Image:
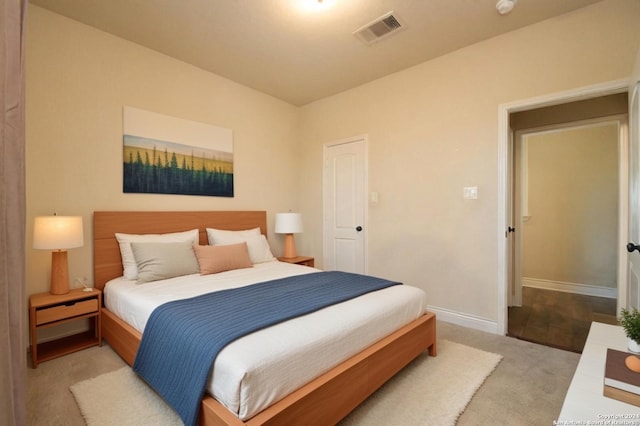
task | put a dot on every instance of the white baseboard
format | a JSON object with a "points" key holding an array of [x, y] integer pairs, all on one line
{"points": [[586, 289], [464, 320]]}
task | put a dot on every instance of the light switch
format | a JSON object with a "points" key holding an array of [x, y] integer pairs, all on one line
{"points": [[470, 192], [374, 198]]}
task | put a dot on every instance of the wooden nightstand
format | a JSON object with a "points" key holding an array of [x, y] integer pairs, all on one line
{"points": [[48, 310], [299, 260]]}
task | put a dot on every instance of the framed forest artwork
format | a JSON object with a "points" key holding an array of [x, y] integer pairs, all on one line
{"points": [[169, 155]]}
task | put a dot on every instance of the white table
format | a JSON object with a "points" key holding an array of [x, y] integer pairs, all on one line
{"points": [[584, 402]]}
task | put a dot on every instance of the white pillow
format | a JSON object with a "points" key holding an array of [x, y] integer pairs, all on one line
{"points": [[257, 244], [129, 262], [218, 237], [259, 250]]}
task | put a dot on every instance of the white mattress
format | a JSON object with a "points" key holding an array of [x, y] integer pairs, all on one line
{"points": [[259, 369]]}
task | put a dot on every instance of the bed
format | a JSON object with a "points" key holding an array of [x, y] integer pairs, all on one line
{"points": [[324, 399]]}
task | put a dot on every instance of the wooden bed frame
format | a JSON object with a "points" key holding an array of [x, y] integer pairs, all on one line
{"points": [[325, 400]]}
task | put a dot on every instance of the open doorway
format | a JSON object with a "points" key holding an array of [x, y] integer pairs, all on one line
{"points": [[552, 110], [566, 214]]}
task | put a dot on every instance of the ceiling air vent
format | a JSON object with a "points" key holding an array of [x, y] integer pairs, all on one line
{"points": [[379, 28]]}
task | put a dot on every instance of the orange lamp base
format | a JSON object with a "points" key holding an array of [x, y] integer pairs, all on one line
{"points": [[289, 246], [59, 272]]}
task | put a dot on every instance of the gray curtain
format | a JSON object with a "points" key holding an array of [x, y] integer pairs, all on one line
{"points": [[13, 341]]}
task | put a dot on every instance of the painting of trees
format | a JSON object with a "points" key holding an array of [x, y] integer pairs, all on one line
{"points": [[171, 155], [154, 166]]}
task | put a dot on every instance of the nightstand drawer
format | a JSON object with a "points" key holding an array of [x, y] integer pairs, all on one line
{"points": [[69, 310]]}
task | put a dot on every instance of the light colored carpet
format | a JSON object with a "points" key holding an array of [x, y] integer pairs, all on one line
{"points": [[527, 388], [430, 391]]}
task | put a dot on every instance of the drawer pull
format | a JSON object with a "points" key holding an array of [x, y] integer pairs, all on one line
{"points": [[66, 310]]}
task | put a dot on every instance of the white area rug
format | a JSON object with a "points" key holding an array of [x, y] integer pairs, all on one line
{"points": [[430, 391], [121, 398]]}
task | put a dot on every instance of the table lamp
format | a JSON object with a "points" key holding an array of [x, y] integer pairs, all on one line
{"points": [[58, 233], [289, 224]]}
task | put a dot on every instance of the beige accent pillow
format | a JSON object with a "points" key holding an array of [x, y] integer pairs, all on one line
{"points": [[159, 261], [130, 269], [214, 259]]}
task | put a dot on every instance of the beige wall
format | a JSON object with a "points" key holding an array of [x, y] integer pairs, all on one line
{"points": [[572, 232], [433, 129], [635, 75], [78, 80]]}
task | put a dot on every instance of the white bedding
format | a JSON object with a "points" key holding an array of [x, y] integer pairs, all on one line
{"points": [[259, 369]]}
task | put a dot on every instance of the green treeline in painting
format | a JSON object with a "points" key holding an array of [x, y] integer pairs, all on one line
{"points": [[167, 168]]}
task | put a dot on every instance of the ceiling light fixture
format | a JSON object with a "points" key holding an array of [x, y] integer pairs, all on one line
{"points": [[505, 6], [312, 5]]}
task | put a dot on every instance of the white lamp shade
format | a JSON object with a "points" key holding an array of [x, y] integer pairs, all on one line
{"points": [[57, 232], [288, 223]]}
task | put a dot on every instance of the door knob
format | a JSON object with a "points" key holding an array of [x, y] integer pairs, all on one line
{"points": [[358, 228], [631, 247], [511, 229]]}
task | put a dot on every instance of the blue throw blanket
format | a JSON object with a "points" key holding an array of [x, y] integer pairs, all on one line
{"points": [[182, 338]]}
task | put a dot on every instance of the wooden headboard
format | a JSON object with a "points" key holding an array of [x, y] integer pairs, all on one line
{"points": [[107, 263]]}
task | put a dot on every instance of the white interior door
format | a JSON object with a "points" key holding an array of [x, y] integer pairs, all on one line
{"points": [[518, 156], [633, 294], [344, 205]]}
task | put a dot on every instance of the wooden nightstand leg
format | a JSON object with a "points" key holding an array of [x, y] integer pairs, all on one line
{"points": [[96, 330], [98, 322], [34, 338]]}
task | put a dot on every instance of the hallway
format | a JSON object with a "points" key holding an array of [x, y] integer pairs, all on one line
{"points": [[558, 319]]}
